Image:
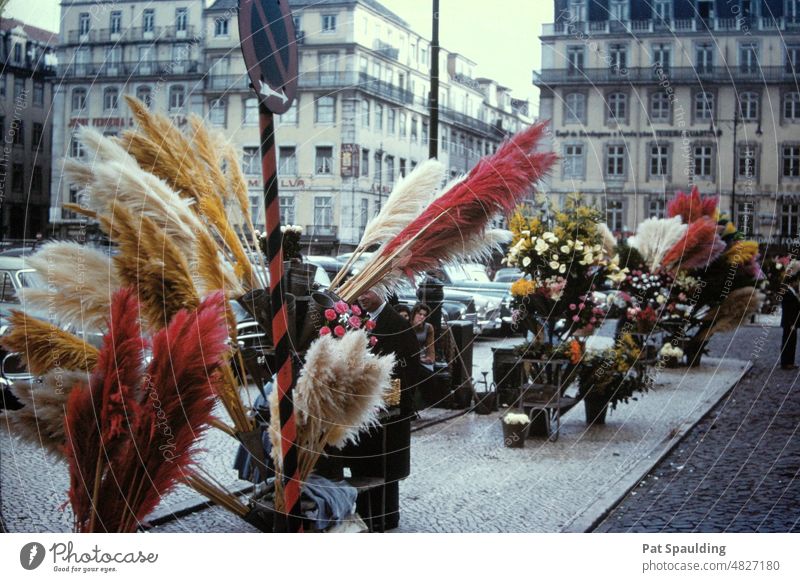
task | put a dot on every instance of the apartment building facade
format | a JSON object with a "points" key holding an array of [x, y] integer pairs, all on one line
{"points": [[650, 97], [25, 107]]}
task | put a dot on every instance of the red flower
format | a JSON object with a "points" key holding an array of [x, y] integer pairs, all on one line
{"points": [[373, 340], [325, 331], [338, 330], [354, 321], [330, 314], [370, 325], [355, 309], [340, 307]]}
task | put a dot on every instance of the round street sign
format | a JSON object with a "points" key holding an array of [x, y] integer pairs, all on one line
{"points": [[269, 46]]}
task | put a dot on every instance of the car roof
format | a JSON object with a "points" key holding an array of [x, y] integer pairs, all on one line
{"points": [[12, 263]]}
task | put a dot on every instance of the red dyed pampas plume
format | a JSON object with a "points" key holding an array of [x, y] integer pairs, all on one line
{"points": [[692, 207], [699, 246], [132, 432]]}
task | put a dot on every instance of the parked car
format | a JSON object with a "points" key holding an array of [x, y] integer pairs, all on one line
{"points": [[507, 275], [331, 265]]}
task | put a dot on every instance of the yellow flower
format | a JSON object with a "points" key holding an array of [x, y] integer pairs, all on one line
{"points": [[741, 252], [729, 229], [522, 287]]}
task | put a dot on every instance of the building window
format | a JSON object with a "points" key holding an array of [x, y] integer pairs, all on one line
{"points": [[181, 19], [289, 117], [38, 93], [287, 160], [617, 108], [662, 56], [84, 22], [37, 136], [704, 57], [403, 124], [657, 208], [790, 161], [618, 59], [618, 10], [659, 107], [443, 139], [250, 111], [324, 160], [217, 110], [378, 117], [704, 106], [793, 59], [748, 105], [325, 110], [110, 98], [615, 215], [323, 212], [287, 209], [575, 108], [414, 129], [704, 161], [744, 218], [365, 112], [659, 161], [748, 57], [19, 87], [573, 161], [425, 131], [790, 219], [19, 133], [379, 166], [391, 120], [251, 164], [177, 97], [18, 53], [78, 98], [221, 27], [148, 20], [390, 169], [402, 167], [575, 56], [328, 23], [615, 161], [145, 95], [115, 22], [747, 163], [37, 180], [364, 162], [576, 11], [791, 10], [17, 177], [662, 10], [791, 106], [76, 149], [364, 214]]}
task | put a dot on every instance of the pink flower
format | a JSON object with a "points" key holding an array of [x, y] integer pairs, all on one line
{"points": [[330, 314], [338, 330], [370, 325], [581, 306], [354, 321], [355, 309], [340, 307], [572, 306], [373, 340], [575, 318], [593, 320], [325, 331]]}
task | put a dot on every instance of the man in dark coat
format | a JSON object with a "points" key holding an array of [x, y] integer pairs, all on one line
{"points": [[385, 451], [790, 312]]}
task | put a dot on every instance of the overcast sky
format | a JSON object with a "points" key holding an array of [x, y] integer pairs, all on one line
{"points": [[501, 36]]}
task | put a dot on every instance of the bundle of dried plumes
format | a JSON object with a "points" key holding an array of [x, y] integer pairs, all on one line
{"points": [[131, 436], [40, 421], [691, 207], [655, 236], [339, 392], [699, 247], [159, 147], [149, 262], [495, 185], [735, 310], [80, 283], [407, 200], [609, 241], [741, 252], [45, 347]]}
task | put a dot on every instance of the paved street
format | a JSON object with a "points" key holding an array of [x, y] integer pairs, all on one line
{"points": [[737, 470]]}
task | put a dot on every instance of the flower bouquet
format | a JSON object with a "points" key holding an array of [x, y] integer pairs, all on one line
{"points": [[670, 355], [515, 429]]}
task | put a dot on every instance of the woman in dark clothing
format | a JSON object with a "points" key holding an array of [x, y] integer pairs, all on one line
{"points": [[790, 312], [403, 311], [424, 333]]}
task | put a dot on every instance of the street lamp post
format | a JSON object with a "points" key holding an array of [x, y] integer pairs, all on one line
{"points": [[379, 154], [433, 137]]}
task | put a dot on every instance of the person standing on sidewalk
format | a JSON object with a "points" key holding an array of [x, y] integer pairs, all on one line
{"points": [[790, 312]]}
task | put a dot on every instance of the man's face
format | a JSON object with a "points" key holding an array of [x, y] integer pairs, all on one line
{"points": [[369, 300]]}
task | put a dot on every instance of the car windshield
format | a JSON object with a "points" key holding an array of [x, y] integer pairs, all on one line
{"points": [[30, 279], [468, 272]]}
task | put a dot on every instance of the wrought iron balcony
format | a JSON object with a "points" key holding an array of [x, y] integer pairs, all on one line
{"points": [[133, 34], [127, 68], [655, 74], [670, 26], [320, 231]]}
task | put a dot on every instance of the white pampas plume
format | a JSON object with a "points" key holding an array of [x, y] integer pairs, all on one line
{"points": [[40, 421], [408, 198], [609, 241], [80, 282], [655, 236]]}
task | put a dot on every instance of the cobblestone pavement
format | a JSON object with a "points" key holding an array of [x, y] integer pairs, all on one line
{"points": [[737, 470]]}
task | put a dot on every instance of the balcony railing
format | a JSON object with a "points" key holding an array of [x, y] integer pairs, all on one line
{"points": [[318, 231], [126, 68], [386, 49], [226, 83], [649, 75], [134, 34], [353, 80], [657, 25]]}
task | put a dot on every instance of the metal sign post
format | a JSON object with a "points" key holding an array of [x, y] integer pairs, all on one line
{"points": [[267, 35]]}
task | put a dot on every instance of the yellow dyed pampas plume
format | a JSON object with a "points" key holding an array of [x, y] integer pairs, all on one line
{"points": [[741, 252], [80, 282], [45, 347], [735, 310], [339, 392]]}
